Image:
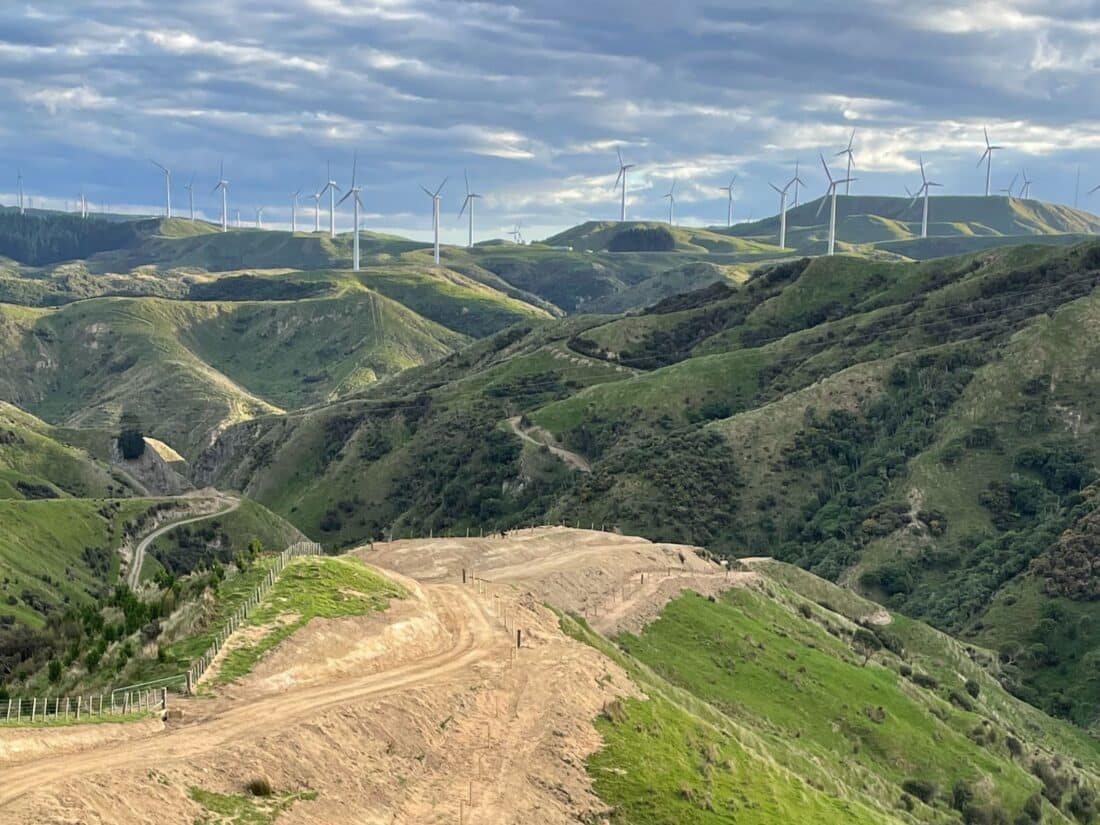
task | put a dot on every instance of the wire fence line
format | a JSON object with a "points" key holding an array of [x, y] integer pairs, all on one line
{"points": [[84, 708], [241, 614]]}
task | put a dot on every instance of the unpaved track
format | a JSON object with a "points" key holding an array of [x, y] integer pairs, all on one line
{"points": [[223, 724], [546, 440], [133, 574]]}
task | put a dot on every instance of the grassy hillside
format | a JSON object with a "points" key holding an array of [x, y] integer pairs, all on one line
{"points": [[38, 462], [792, 701], [918, 431]]}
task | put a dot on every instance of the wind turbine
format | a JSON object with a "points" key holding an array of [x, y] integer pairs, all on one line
{"points": [[797, 182], [623, 169], [987, 156], [1025, 190], [19, 186], [469, 202], [517, 236], [223, 185], [782, 212], [316, 211], [848, 152], [1094, 190], [238, 214], [190, 187], [294, 210], [167, 188], [729, 201], [830, 193], [332, 189], [435, 214], [925, 185], [353, 192], [260, 217], [1011, 186], [671, 196]]}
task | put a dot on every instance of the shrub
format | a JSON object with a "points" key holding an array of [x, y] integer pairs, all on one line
{"points": [[131, 440], [973, 688], [259, 786], [55, 670], [925, 681], [961, 700], [922, 789]]}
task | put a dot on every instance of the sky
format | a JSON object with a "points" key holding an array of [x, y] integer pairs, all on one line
{"points": [[533, 99]]}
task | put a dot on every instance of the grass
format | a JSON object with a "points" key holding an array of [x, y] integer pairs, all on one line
{"points": [[244, 809], [309, 588], [71, 720]]}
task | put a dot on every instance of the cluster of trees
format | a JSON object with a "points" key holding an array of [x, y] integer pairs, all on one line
{"points": [[642, 239], [39, 240]]}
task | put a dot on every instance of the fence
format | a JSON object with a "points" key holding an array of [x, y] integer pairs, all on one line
{"points": [[305, 548], [83, 707]]}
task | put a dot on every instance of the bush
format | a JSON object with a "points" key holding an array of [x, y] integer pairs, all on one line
{"points": [[922, 789], [925, 681], [259, 786], [961, 700], [55, 671], [131, 439], [973, 688], [643, 239]]}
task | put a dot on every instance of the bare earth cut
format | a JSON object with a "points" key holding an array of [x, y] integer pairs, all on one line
{"points": [[423, 713]]}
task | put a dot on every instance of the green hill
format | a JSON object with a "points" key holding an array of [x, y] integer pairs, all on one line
{"points": [[918, 431]]}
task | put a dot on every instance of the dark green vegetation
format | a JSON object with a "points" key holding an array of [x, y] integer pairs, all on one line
{"points": [[248, 808], [784, 702]]}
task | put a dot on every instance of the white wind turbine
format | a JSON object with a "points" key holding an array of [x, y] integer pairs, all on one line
{"points": [[316, 211], [830, 193], [729, 201], [925, 186], [190, 187], [237, 212], [223, 185], [671, 197], [332, 189], [1011, 186], [847, 151], [1025, 189], [797, 181], [623, 169], [469, 203], [260, 217], [987, 156], [517, 236], [435, 214], [167, 188], [782, 212], [19, 186], [294, 210], [353, 192]]}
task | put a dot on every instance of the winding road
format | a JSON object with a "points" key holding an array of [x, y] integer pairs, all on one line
{"points": [[133, 574]]}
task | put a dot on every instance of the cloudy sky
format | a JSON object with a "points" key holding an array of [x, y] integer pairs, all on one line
{"points": [[534, 98]]}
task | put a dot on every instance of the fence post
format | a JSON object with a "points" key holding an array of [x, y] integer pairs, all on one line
{"points": [[34, 708], [79, 701], [9, 709]]}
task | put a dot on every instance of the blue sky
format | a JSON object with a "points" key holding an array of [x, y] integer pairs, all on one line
{"points": [[534, 98]]}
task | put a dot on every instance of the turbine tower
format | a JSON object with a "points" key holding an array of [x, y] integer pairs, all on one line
{"points": [[797, 182], [782, 212], [353, 192], [623, 169], [1025, 190], [830, 193], [848, 152], [190, 187], [260, 217], [729, 201], [223, 185], [1011, 186], [517, 236], [925, 186], [332, 189], [19, 187], [294, 210], [671, 196], [987, 156], [238, 215], [435, 214], [167, 188], [316, 211], [469, 203]]}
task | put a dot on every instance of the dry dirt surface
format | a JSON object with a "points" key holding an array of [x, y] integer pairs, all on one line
{"points": [[619, 583], [426, 713]]}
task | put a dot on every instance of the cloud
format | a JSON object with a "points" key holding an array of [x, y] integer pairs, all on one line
{"points": [[534, 99]]}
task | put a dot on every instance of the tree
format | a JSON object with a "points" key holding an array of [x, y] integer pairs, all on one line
{"points": [[131, 439], [867, 643]]}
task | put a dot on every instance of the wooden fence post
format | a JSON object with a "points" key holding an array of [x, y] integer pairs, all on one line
{"points": [[34, 708]]}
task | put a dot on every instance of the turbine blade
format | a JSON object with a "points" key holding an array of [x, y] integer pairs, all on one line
{"points": [[440, 189], [427, 191], [466, 175], [348, 195], [825, 166], [821, 205]]}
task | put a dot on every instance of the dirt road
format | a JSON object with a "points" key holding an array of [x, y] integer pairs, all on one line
{"points": [[545, 439], [423, 714], [133, 573]]}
